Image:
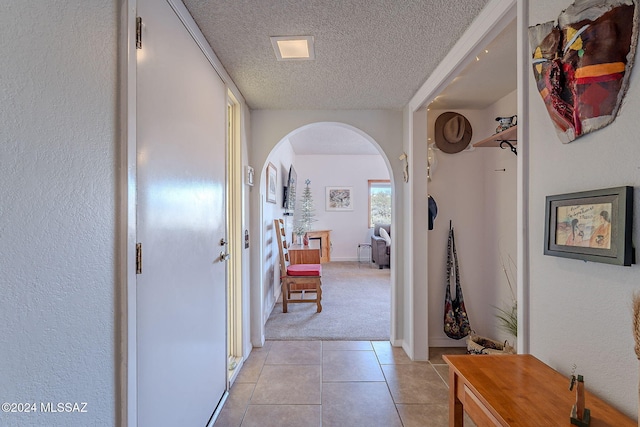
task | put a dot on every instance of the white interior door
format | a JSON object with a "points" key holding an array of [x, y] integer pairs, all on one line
{"points": [[181, 319]]}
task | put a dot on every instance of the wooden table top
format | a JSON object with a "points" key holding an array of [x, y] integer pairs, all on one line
{"points": [[520, 390], [313, 244]]}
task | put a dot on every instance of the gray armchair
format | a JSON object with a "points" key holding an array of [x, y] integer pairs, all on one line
{"points": [[380, 252]]}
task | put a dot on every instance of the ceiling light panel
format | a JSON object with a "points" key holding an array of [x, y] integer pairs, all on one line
{"points": [[293, 48]]}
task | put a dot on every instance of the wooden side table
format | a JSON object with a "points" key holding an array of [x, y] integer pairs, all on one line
{"points": [[517, 390], [304, 254], [324, 236]]}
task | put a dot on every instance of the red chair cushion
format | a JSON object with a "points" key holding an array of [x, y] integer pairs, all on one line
{"points": [[304, 270]]}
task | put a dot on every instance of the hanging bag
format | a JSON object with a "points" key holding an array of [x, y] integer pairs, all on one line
{"points": [[456, 321]]}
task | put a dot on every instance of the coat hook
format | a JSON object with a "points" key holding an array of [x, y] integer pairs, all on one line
{"points": [[513, 149]]}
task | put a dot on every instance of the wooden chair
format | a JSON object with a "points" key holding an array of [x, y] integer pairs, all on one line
{"points": [[297, 278]]}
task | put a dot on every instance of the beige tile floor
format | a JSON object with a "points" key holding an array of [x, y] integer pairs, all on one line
{"points": [[338, 383]]}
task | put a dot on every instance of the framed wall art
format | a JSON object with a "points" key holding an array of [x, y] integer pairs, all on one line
{"points": [[272, 182], [339, 199], [582, 64], [590, 225]]}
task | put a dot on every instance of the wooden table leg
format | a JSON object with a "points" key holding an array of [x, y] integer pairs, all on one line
{"points": [[456, 411]]}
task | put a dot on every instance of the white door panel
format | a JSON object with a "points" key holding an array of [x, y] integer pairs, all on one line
{"points": [[181, 101]]}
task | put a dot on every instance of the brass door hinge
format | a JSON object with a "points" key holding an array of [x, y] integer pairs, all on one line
{"points": [[138, 258]]}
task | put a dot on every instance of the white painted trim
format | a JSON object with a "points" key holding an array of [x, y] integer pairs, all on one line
{"points": [[397, 343], [406, 347], [522, 279], [393, 262], [235, 219], [247, 346], [419, 216], [257, 295], [496, 15], [409, 330], [128, 398]]}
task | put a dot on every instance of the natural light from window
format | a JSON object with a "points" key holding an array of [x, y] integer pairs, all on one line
{"points": [[379, 202]]}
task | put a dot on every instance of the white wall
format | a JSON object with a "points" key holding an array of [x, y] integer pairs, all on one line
{"points": [[282, 158], [500, 181], [348, 228], [580, 312], [500, 191], [471, 189], [58, 168]]}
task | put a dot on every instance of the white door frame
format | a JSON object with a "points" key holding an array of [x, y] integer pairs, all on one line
{"points": [[126, 318], [235, 239]]}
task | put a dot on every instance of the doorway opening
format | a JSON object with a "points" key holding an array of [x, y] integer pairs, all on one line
{"points": [[329, 157], [496, 169]]}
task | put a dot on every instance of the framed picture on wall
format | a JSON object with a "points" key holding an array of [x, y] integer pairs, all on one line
{"points": [[590, 225], [339, 199], [272, 182]]}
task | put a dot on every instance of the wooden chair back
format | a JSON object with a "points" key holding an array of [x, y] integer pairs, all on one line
{"points": [[278, 224], [295, 283]]}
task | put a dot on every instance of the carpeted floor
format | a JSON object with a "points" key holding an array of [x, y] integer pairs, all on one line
{"points": [[356, 303]]}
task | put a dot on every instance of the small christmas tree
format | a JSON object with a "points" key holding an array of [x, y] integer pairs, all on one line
{"points": [[306, 216]]}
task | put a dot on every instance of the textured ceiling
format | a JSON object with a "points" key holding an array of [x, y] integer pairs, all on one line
{"points": [[370, 54]]}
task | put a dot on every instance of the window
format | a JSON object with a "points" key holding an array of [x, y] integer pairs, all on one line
{"points": [[379, 202]]}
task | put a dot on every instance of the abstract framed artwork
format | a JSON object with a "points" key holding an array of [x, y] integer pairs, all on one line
{"points": [[272, 182], [591, 225], [339, 199], [582, 64]]}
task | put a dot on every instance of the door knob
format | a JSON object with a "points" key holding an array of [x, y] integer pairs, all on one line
{"points": [[224, 256], [223, 242]]}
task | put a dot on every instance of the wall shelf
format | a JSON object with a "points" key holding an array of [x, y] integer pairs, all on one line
{"points": [[510, 135]]}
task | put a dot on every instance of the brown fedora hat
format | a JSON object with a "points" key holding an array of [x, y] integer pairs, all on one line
{"points": [[452, 132]]}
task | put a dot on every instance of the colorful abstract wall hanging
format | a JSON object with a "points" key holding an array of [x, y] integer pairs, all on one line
{"points": [[582, 64]]}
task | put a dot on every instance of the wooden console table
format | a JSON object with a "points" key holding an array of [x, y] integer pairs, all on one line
{"points": [[517, 390], [324, 236]]}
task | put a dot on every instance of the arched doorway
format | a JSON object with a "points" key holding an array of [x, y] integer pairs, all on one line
{"points": [[329, 154]]}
